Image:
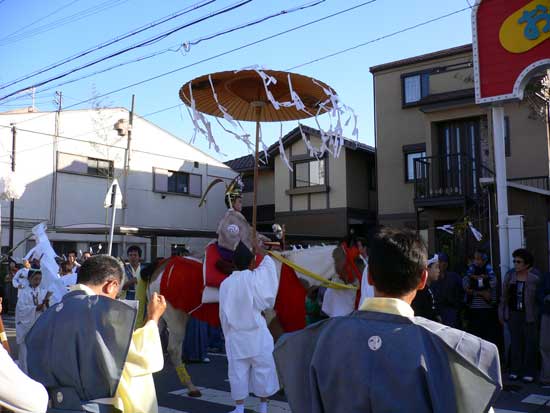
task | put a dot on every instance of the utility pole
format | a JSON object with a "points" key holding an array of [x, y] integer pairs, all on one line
{"points": [[127, 166], [53, 199], [12, 202]]}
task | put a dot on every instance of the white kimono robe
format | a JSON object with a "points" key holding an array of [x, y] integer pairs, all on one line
{"points": [[15, 388], [69, 280], [367, 290], [25, 316], [243, 297], [20, 280]]}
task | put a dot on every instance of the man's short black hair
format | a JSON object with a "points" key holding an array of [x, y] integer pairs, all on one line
{"points": [[72, 252], [397, 258], [99, 269], [134, 248], [525, 255]]}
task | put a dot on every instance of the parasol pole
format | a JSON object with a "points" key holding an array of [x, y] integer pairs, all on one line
{"points": [[258, 111]]}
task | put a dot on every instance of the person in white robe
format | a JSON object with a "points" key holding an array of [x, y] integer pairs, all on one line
{"points": [[15, 387], [68, 276], [244, 295], [20, 279], [32, 302], [367, 290], [338, 303]]}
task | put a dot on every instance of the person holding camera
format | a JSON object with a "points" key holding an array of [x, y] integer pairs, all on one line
{"points": [[480, 284]]}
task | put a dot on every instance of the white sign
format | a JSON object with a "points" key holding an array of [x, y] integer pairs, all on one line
{"points": [[109, 196]]}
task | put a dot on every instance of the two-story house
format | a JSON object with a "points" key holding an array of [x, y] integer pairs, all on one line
{"points": [[68, 161], [435, 156], [322, 197]]}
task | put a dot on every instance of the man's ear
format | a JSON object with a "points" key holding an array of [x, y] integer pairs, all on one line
{"points": [[423, 280], [110, 288]]}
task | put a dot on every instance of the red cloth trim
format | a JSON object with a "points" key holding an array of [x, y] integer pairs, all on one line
{"points": [[214, 277], [352, 271], [291, 301], [182, 283], [209, 313]]}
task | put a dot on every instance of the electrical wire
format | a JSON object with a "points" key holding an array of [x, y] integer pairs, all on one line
{"points": [[63, 21], [177, 48], [148, 42], [301, 26], [406, 29], [40, 19], [112, 41]]}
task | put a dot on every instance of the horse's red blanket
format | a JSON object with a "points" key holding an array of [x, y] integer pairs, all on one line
{"points": [[291, 301], [182, 285]]}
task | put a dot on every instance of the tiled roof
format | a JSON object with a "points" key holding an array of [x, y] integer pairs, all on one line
{"points": [[246, 163], [423, 58]]}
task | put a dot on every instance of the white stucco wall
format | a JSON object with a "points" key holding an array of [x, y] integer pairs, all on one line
{"points": [[79, 198]]}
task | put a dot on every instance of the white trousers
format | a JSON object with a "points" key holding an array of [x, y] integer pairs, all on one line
{"points": [[256, 375]]}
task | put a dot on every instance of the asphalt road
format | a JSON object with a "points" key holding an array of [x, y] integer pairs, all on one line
{"points": [[212, 379]]}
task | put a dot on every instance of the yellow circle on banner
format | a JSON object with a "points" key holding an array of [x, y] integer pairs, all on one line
{"points": [[527, 27]]}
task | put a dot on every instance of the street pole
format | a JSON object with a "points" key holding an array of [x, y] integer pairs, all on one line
{"points": [[113, 217], [12, 202], [127, 167], [501, 187]]}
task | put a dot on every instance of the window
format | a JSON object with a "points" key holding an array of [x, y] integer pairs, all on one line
{"points": [[177, 182], [413, 152], [415, 87], [84, 165], [309, 173], [63, 247], [507, 145]]}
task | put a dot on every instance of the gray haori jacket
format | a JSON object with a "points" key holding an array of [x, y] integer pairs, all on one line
{"points": [[378, 362]]}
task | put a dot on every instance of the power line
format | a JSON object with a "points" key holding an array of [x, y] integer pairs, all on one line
{"points": [[217, 55], [63, 21], [40, 19], [153, 40], [110, 42], [379, 38], [176, 48]]}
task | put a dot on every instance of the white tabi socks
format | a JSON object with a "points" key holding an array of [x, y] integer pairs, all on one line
{"points": [[239, 409], [263, 407]]}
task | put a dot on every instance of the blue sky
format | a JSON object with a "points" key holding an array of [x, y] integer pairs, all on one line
{"points": [[348, 73]]}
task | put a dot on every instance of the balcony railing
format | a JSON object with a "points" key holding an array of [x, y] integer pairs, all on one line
{"points": [[448, 179], [539, 182]]}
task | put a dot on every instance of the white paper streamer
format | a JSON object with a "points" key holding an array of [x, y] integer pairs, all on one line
{"points": [[282, 150], [477, 235], [449, 229]]}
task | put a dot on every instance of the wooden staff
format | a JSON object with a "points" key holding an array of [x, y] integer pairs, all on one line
{"points": [[3, 335]]}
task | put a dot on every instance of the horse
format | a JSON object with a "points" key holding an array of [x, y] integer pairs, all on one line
{"points": [[182, 280]]}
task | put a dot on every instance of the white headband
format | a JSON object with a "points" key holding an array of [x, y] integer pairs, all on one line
{"points": [[433, 260]]}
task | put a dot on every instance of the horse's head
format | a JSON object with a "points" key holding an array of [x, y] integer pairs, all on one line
{"points": [[326, 261]]}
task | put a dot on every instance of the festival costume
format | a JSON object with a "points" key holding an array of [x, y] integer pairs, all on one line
{"points": [[20, 279], [436, 368], [249, 344], [26, 315], [104, 367], [15, 388], [140, 292]]}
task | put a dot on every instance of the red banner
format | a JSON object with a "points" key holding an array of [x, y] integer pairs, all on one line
{"points": [[511, 40]]}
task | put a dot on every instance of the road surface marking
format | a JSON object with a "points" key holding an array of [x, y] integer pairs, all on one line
{"points": [[224, 398], [539, 399], [169, 410]]}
